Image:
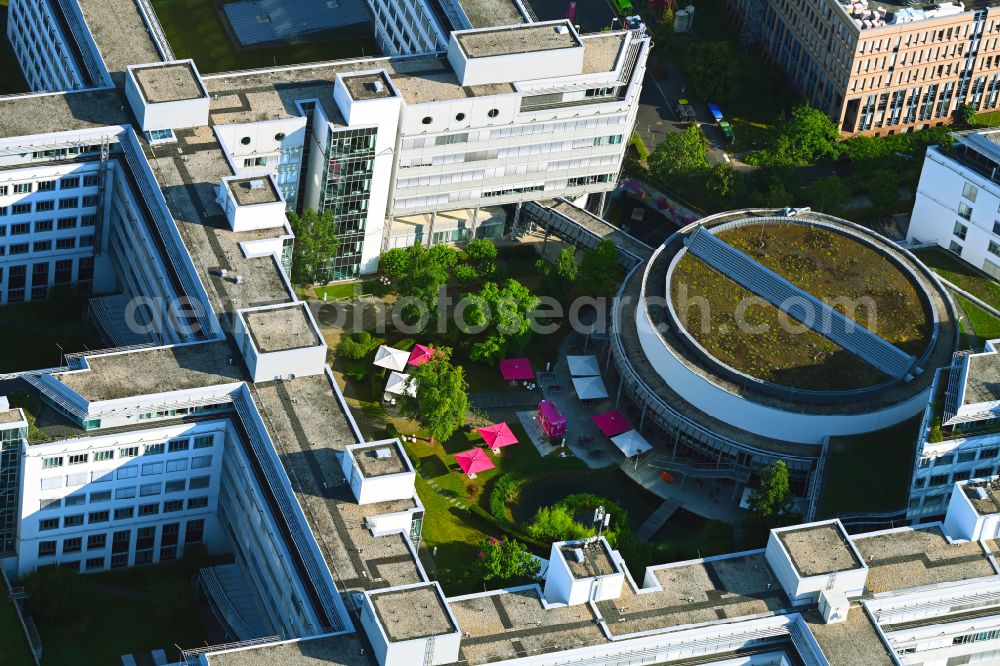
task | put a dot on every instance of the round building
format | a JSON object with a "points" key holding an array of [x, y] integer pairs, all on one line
{"points": [[752, 336]]}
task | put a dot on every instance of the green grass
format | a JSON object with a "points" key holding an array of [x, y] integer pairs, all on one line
{"points": [[978, 321], [114, 625], [196, 29], [31, 332], [14, 649], [11, 81], [869, 472], [351, 289], [991, 119], [962, 275]]}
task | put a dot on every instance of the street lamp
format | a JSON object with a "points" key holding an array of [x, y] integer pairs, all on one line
{"points": [[613, 21]]}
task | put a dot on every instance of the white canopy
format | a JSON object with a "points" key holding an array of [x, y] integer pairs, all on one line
{"points": [[631, 443], [400, 384], [589, 388], [583, 366], [391, 358]]}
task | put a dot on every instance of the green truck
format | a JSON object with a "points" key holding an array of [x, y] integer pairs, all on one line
{"points": [[727, 131]]}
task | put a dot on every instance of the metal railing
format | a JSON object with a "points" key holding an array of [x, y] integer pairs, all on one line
{"points": [[155, 29], [190, 657]]}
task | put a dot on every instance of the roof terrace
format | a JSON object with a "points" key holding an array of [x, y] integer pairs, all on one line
{"points": [[819, 550], [413, 612]]}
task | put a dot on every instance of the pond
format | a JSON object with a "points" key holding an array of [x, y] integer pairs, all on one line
{"points": [[612, 483]]}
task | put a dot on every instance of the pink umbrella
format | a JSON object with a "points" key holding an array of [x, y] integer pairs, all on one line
{"points": [[497, 435], [420, 355], [611, 423], [474, 461], [514, 369]]}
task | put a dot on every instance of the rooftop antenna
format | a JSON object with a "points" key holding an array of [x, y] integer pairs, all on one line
{"points": [[601, 520]]}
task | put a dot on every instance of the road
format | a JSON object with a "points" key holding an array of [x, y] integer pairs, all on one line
{"points": [[660, 92]]}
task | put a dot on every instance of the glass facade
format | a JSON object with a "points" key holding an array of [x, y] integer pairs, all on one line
{"points": [[10, 469], [346, 191]]}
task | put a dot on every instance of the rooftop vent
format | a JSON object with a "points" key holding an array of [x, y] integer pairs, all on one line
{"points": [[383, 454], [578, 554], [561, 29], [375, 86], [980, 493], [4, 403], [257, 184]]}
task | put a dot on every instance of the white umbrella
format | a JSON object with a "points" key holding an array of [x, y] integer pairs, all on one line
{"points": [[400, 384], [589, 388], [391, 358], [583, 366], [631, 443]]}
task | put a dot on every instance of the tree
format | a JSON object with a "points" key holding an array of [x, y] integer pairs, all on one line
{"points": [[566, 266], [423, 272], [600, 273], [465, 274], [884, 193], [679, 154], [807, 136], [713, 70], [395, 263], [483, 256], [967, 114], [720, 183], [774, 496], [509, 308], [506, 562], [556, 523], [442, 395], [828, 195], [57, 593], [316, 243]]}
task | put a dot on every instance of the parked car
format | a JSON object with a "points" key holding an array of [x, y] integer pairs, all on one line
{"points": [[715, 111], [727, 131]]}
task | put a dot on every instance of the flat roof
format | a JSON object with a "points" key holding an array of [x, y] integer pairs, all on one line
{"points": [[527, 38], [601, 51], [410, 613], [596, 560], [282, 328], [989, 502], [371, 465], [342, 650], [697, 592], [368, 86], [982, 381], [174, 82], [120, 33], [910, 558], [491, 13], [254, 190], [854, 641], [150, 371], [12, 415], [44, 113], [818, 550]]}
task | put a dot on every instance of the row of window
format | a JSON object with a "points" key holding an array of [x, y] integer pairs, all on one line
{"points": [[121, 544], [121, 513], [126, 472], [173, 446], [88, 201], [42, 226], [15, 249], [127, 492], [65, 183], [960, 457]]}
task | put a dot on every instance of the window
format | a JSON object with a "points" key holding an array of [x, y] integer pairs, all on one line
{"points": [[90, 180], [66, 223], [22, 188], [41, 246], [124, 513], [69, 183], [73, 521], [76, 500], [148, 469], [46, 185], [946, 459], [128, 452], [48, 524], [101, 456], [49, 504], [77, 479], [98, 517], [493, 113], [960, 230], [203, 441], [177, 465], [197, 503], [254, 162], [65, 243], [966, 456], [46, 548], [20, 229], [245, 141], [55, 461], [148, 489], [68, 202], [90, 200], [427, 120], [125, 493], [199, 482], [149, 509], [955, 247], [41, 226], [176, 486], [153, 449], [173, 505], [78, 459], [964, 210], [128, 472], [119, 560], [201, 461], [94, 563], [193, 531], [989, 453], [179, 445], [970, 191], [73, 545], [42, 206], [280, 136], [939, 480], [20, 209]]}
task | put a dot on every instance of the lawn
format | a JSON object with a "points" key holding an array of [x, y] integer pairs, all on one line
{"points": [[163, 616], [11, 81], [32, 333], [977, 321], [869, 472], [196, 29], [962, 275]]}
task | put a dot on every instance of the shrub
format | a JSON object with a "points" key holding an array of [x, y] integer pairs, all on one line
{"points": [[356, 345], [505, 492], [556, 523], [466, 274], [936, 435], [395, 262], [57, 593]]}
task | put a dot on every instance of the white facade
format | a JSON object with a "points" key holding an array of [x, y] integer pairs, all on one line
{"points": [[252, 217], [370, 488], [433, 650], [176, 107], [562, 586], [806, 589]]}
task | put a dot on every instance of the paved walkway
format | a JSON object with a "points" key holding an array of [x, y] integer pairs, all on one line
{"points": [[509, 400], [657, 519], [709, 499]]}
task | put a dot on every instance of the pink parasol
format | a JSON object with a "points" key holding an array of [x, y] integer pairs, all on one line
{"points": [[420, 355], [474, 461], [514, 369], [497, 435], [611, 423]]}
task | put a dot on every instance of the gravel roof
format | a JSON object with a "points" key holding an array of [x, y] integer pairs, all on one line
{"points": [[819, 550], [413, 612], [168, 83], [282, 328], [528, 38], [372, 466]]}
